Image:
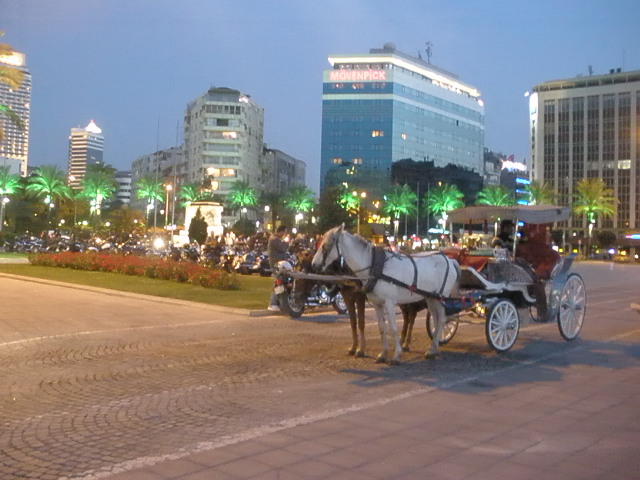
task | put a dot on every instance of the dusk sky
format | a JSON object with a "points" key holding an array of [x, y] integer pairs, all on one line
{"points": [[131, 65]]}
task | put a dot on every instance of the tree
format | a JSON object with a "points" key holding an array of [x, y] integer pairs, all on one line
{"points": [[150, 189], [125, 220], [592, 199], [401, 200], [333, 214], [442, 199], [495, 195], [9, 184], [242, 195], [13, 78], [540, 193], [48, 183], [299, 199], [189, 193], [198, 228], [98, 185]]}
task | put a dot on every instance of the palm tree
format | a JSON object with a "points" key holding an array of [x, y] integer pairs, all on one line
{"points": [[9, 183], [150, 189], [495, 195], [540, 193], [189, 193], [593, 198], [13, 78], [299, 199], [400, 200], [97, 186], [442, 199], [49, 184], [242, 195]]}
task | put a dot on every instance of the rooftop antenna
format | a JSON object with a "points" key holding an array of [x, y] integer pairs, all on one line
{"points": [[429, 51], [590, 69]]}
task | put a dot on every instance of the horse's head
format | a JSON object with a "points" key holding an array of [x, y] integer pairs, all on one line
{"points": [[329, 249]]}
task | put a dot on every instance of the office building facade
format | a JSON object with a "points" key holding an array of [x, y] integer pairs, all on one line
{"points": [[384, 106], [587, 127], [14, 147], [86, 147]]}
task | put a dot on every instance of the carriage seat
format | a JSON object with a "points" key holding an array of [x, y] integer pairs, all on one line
{"points": [[464, 259]]}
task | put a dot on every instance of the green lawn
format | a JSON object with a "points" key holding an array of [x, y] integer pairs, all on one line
{"points": [[253, 294]]}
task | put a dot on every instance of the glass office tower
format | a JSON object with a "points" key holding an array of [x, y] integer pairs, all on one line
{"points": [[385, 106]]}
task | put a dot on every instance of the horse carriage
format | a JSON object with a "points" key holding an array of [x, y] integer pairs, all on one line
{"points": [[460, 285]]}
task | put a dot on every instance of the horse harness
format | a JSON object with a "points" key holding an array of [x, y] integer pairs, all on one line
{"points": [[379, 258]]}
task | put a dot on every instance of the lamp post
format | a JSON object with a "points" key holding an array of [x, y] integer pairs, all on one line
{"points": [[360, 196], [168, 187], [3, 203]]}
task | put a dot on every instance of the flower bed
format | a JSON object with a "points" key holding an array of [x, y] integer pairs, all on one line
{"points": [[182, 272]]}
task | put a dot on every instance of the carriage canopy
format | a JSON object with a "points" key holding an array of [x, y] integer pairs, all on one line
{"points": [[526, 213]]}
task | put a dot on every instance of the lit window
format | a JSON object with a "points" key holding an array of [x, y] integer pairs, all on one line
{"points": [[404, 136], [337, 161], [229, 135], [377, 133], [357, 161]]}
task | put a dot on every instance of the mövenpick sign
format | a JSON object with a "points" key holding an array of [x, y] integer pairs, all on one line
{"points": [[357, 75]]}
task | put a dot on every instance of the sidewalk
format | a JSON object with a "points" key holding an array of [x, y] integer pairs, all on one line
{"points": [[522, 422]]}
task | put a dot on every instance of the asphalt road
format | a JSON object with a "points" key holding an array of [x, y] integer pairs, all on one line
{"points": [[95, 382]]}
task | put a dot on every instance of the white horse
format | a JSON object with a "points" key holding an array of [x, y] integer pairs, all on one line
{"points": [[392, 279]]}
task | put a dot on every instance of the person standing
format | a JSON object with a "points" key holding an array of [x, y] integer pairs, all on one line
{"points": [[278, 250]]}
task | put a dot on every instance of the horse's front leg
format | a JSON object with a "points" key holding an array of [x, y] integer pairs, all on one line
{"points": [[382, 328], [408, 319], [353, 319], [390, 309], [436, 309]]}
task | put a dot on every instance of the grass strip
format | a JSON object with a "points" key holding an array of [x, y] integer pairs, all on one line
{"points": [[253, 294]]}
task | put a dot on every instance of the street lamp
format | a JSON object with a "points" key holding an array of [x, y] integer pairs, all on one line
{"points": [[360, 196], [168, 187], [4, 201]]}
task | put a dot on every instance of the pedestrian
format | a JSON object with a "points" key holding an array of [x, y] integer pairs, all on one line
{"points": [[278, 250]]}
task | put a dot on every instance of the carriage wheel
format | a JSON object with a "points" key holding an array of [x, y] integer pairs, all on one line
{"points": [[291, 304], [573, 304], [502, 325], [339, 304], [449, 330]]}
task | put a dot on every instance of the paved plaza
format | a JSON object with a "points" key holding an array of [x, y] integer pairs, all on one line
{"points": [[99, 384]]}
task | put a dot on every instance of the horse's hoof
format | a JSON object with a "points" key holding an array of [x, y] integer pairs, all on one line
{"points": [[360, 354], [431, 356], [405, 348], [381, 359], [351, 351]]}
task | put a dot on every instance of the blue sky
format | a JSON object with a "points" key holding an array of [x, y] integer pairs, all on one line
{"points": [[132, 65]]}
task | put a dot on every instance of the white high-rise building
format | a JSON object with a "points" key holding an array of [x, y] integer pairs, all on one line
{"points": [[223, 138], [14, 147], [588, 127], [86, 147]]}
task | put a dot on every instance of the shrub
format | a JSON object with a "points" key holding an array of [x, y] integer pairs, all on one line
{"points": [[164, 269]]}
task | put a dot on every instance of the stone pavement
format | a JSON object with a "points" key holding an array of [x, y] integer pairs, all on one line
{"points": [[492, 426]]}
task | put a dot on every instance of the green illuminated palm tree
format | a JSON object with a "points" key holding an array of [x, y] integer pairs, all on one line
{"points": [[299, 199], [13, 78], [348, 200], [48, 183], [9, 184], [242, 195], [495, 195], [189, 193], [98, 186], [442, 199], [401, 200], [151, 190], [592, 199], [540, 193]]}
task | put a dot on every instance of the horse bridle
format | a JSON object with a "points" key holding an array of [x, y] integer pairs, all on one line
{"points": [[326, 250]]}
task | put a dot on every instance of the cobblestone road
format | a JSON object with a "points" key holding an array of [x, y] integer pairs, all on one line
{"points": [[92, 380]]}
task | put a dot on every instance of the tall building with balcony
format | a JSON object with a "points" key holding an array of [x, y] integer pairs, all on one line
{"points": [[588, 127], [86, 147], [223, 134], [14, 147], [384, 106]]}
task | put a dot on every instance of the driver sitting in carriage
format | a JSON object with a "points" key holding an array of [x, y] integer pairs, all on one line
{"points": [[534, 247]]}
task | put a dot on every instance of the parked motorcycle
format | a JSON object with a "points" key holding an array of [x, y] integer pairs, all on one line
{"points": [[295, 295], [254, 262]]}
